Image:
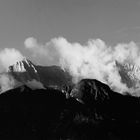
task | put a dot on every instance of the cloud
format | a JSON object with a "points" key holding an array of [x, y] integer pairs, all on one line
{"points": [[9, 56], [95, 59], [30, 43], [40, 53], [34, 84], [7, 82]]}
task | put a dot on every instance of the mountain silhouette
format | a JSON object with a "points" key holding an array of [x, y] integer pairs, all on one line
{"points": [[92, 111]]}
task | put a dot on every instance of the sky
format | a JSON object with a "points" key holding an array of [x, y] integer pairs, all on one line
{"points": [[113, 21]]}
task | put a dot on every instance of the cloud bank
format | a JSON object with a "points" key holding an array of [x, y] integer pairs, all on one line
{"points": [[8, 56], [95, 59]]}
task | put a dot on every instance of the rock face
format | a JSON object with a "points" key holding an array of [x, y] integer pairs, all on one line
{"points": [[47, 114], [99, 96], [90, 90], [130, 74], [24, 71]]}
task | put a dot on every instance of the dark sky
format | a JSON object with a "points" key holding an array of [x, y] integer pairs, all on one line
{"points": [[113, 21]]}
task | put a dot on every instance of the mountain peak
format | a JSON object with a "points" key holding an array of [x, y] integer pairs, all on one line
{"points": [[24, 71], [130, 74], [21, 66]]}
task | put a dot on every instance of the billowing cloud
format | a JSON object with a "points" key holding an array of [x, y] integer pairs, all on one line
{"points": [[7, 82], [30, 43], [40, 53], [95, 59], [9, 56]]}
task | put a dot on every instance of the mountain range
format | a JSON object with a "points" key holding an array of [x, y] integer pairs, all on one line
{"points": [[25, 72], [88, 110], [50, 76]]}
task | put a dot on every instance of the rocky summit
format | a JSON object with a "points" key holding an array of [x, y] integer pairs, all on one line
{"points": [[24, 71], [130, 74]]}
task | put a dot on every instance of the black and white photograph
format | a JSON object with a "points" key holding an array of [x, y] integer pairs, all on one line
{"points": [[69, 69]]}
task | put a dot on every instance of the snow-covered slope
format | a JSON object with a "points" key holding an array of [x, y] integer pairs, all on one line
{"points": [[24, 71], [130, 74]]}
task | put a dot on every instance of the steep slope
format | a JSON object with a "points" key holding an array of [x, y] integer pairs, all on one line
{"points": [[105, 102], [54, 76]]}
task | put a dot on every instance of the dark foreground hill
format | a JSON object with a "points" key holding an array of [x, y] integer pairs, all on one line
{"points": [[93, 112]]}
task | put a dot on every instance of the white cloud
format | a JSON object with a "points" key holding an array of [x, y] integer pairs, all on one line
{"points": [[30, 43], [9, 56], [7, 82], [43, 54], [94, 60]]}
